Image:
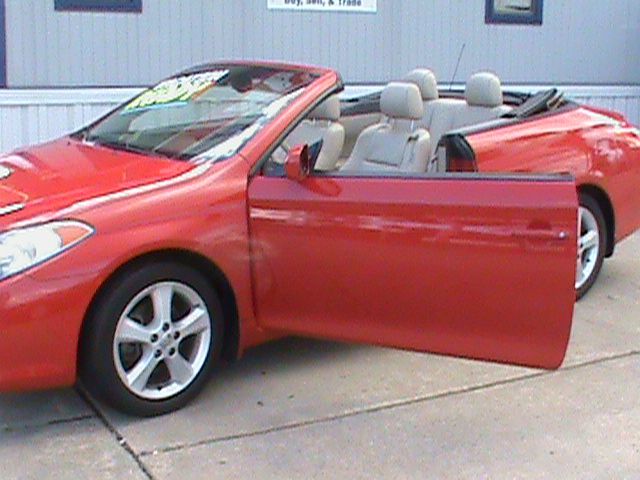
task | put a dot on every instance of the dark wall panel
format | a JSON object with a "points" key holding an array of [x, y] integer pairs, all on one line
{"points": [[3, 47]]}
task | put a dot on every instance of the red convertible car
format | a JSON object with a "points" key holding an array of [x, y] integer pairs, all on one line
{"points": [[239, 202]]}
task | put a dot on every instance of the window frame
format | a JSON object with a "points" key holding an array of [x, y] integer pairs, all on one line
{"points": [[117, 6], [492, 17]]}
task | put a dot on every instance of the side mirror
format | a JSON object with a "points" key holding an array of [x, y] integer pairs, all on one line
{"points": [[296, 166]]}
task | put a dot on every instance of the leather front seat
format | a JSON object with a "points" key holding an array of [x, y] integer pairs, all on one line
{"points": [[390, 146], [321, 123]]}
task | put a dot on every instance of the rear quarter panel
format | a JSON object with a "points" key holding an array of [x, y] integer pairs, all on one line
{"points": [[597, 149]]}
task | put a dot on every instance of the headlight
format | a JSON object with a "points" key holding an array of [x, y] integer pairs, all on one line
{"points": [[23, 248]]}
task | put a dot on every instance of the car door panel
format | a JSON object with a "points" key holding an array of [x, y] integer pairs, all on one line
{"points": [[474, 267]]}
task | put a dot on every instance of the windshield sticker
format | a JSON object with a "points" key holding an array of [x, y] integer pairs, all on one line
{"points": [[175, 91]]}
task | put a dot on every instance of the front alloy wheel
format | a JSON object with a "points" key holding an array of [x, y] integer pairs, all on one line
{"points": [[152, 339], [591, 244], [162, 340]]}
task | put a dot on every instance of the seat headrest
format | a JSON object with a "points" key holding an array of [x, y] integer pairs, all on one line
{"points": [[401, 100], [426, 81], [327, 110], [484, 90]]}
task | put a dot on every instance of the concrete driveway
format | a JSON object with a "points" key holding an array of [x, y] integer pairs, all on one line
{"points": [[306, 409]]}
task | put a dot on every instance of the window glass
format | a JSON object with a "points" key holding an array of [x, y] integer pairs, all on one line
{"points": [[211, 112], [514, 7], [99, 5]]}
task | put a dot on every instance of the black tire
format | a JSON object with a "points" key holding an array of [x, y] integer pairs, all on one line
{"points": [[98, 371], [592, 205]]}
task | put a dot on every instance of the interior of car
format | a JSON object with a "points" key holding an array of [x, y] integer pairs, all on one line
{"points": [[404, 127]]}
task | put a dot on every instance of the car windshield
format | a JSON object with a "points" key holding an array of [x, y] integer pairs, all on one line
{"points": [[209, 114]]}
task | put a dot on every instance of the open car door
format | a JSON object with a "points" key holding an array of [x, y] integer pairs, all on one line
{"points": [[462, 264]]}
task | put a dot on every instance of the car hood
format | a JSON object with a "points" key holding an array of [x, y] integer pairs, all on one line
{"points": [[59, 174]]}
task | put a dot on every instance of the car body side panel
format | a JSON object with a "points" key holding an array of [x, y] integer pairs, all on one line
{"points": [[40, 327], [45, 307], [597, 149], [481, 268], [199, 209], [627, 183]]}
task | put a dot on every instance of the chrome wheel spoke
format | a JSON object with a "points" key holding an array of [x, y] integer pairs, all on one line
{"points": [[130, 331], [138, 376], [579, 269], [588, 241], [162, 298], [195, 322], [588, 247], [180, 369]]}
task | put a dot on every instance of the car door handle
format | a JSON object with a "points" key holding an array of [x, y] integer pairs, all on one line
{"points": [[541, 234]]}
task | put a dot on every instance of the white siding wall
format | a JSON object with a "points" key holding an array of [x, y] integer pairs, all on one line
{"points": [[31, 116], [580, 41]]}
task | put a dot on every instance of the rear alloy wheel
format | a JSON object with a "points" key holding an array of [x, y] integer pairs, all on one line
{"points": [[591, 244], [152, 339]]}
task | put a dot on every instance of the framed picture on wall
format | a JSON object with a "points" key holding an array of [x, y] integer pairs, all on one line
{"points": [[515, 12]]}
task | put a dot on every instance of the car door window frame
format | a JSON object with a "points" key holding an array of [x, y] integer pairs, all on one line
{"points": [[259, 167]]}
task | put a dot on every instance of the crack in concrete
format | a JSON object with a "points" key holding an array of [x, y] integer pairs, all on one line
{"points": [[114, 431], [387, 405], [50, 423]]}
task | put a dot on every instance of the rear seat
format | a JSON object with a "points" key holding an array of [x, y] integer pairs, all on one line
{"points": [[483, 102], [483, 94], [426, 82]]}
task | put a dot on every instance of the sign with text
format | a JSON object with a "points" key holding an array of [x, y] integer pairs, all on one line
{"points": [[358, 6]]}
